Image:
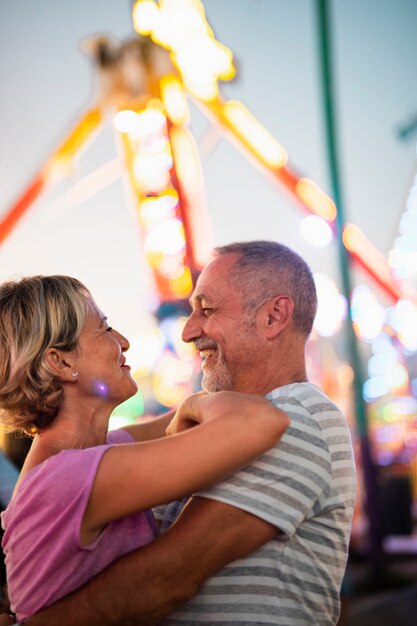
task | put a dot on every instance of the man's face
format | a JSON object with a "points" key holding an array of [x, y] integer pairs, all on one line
{"points": [[220, 330]]}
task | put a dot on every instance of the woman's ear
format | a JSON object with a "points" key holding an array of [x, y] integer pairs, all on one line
{"points": [[279, 312], [61, 365]]}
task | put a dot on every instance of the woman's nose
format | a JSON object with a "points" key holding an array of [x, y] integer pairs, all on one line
{"points": [[124, 343]]}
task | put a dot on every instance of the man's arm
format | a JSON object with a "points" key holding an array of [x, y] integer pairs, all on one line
{"points": [[141, 588]]}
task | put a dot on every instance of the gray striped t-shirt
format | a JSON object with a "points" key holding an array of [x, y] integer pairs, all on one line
{"points": [[305, 486]]}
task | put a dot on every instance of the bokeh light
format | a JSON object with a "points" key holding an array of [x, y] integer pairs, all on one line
{"points": [[316, 231], [332, 306], [403, 317], [368, 314]]}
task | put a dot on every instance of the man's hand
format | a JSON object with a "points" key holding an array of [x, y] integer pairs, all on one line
{"points": [[6, 620]]}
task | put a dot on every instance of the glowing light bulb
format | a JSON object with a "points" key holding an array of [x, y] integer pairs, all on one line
{"points": [[254, 134], [155, 209], [312, 196], [125, 121], [316, 231], [167, 238], [174, 100], [145, 15], [151, 172]]}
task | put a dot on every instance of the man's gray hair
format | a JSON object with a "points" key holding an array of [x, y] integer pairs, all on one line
{"points": [[265, 269]]}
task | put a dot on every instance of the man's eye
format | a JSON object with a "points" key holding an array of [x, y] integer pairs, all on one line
{"points": [[109, 329], [206, 311]]}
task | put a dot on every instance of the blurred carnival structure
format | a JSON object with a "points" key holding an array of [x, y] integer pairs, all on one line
{"points": [[143, 87]]}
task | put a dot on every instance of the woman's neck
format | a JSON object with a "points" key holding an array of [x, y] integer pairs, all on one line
{"points": [[69, 430]]}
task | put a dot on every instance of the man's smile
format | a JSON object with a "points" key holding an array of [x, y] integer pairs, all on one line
{"points": [[206, 353]]}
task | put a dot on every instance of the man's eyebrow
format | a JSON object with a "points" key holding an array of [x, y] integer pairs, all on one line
{"points": [[198, 298], [103, 320]]}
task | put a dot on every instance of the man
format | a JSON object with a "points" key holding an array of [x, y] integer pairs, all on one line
{"points": [[277, 532]]}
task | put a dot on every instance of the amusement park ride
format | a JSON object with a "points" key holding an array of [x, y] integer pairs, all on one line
{"points": [[143, 89]]}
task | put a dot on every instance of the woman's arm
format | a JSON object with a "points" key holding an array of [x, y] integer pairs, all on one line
{"points": [[150, 429], [134, 477]]}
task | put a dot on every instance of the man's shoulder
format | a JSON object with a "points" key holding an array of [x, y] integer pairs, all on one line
{"points": [[299, 392], [315, 421], [305, 401]]}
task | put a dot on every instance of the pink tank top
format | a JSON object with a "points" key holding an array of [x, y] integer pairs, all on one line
{"points": [[44, 558]]}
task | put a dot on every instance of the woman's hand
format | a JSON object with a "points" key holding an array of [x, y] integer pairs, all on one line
{"points": [[6, 620], [187, 415]]}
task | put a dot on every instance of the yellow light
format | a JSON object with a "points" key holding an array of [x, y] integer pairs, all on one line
{"points": [[254, 134], [222, 61], [181, 27], [172, 266], [356, 243], [154, 258], [188, 169], [182, 286], [320, 203], [399, 377], [151, 121], [151, 172], [168, 238], [155, 209], [175, 101], [72, 145], [145, 16], [205, 91], [353, 238], [141, 125], [125, 121], [171, 379], [187, 162], [167, 394], [345, 374]]}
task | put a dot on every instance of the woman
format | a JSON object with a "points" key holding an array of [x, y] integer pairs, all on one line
{"points": [[82, 501]]}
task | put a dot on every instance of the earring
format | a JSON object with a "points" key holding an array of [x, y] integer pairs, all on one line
{"points": [[75, 374]]}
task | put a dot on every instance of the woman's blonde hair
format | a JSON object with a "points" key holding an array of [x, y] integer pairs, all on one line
{"points": [[36, 313]]}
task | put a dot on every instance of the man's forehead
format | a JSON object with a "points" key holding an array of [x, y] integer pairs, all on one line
{"points": [[214, 279], [218, 267]]}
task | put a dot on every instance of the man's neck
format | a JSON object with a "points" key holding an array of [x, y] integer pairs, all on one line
{"points": [[281, 364]]}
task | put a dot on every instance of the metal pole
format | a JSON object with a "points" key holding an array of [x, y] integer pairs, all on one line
{"points": [[368, 466]]}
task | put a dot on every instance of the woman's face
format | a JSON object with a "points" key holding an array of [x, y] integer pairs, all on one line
{"points": [[100, 361]]}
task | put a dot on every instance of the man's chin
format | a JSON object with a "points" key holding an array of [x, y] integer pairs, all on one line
{"points": [[212, 384]]}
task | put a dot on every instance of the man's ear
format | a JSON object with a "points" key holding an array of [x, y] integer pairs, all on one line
{"points": [[60, 364], [279, 311]]}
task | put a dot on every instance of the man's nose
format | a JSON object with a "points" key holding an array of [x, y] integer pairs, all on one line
{"points": [[192, 329]]}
